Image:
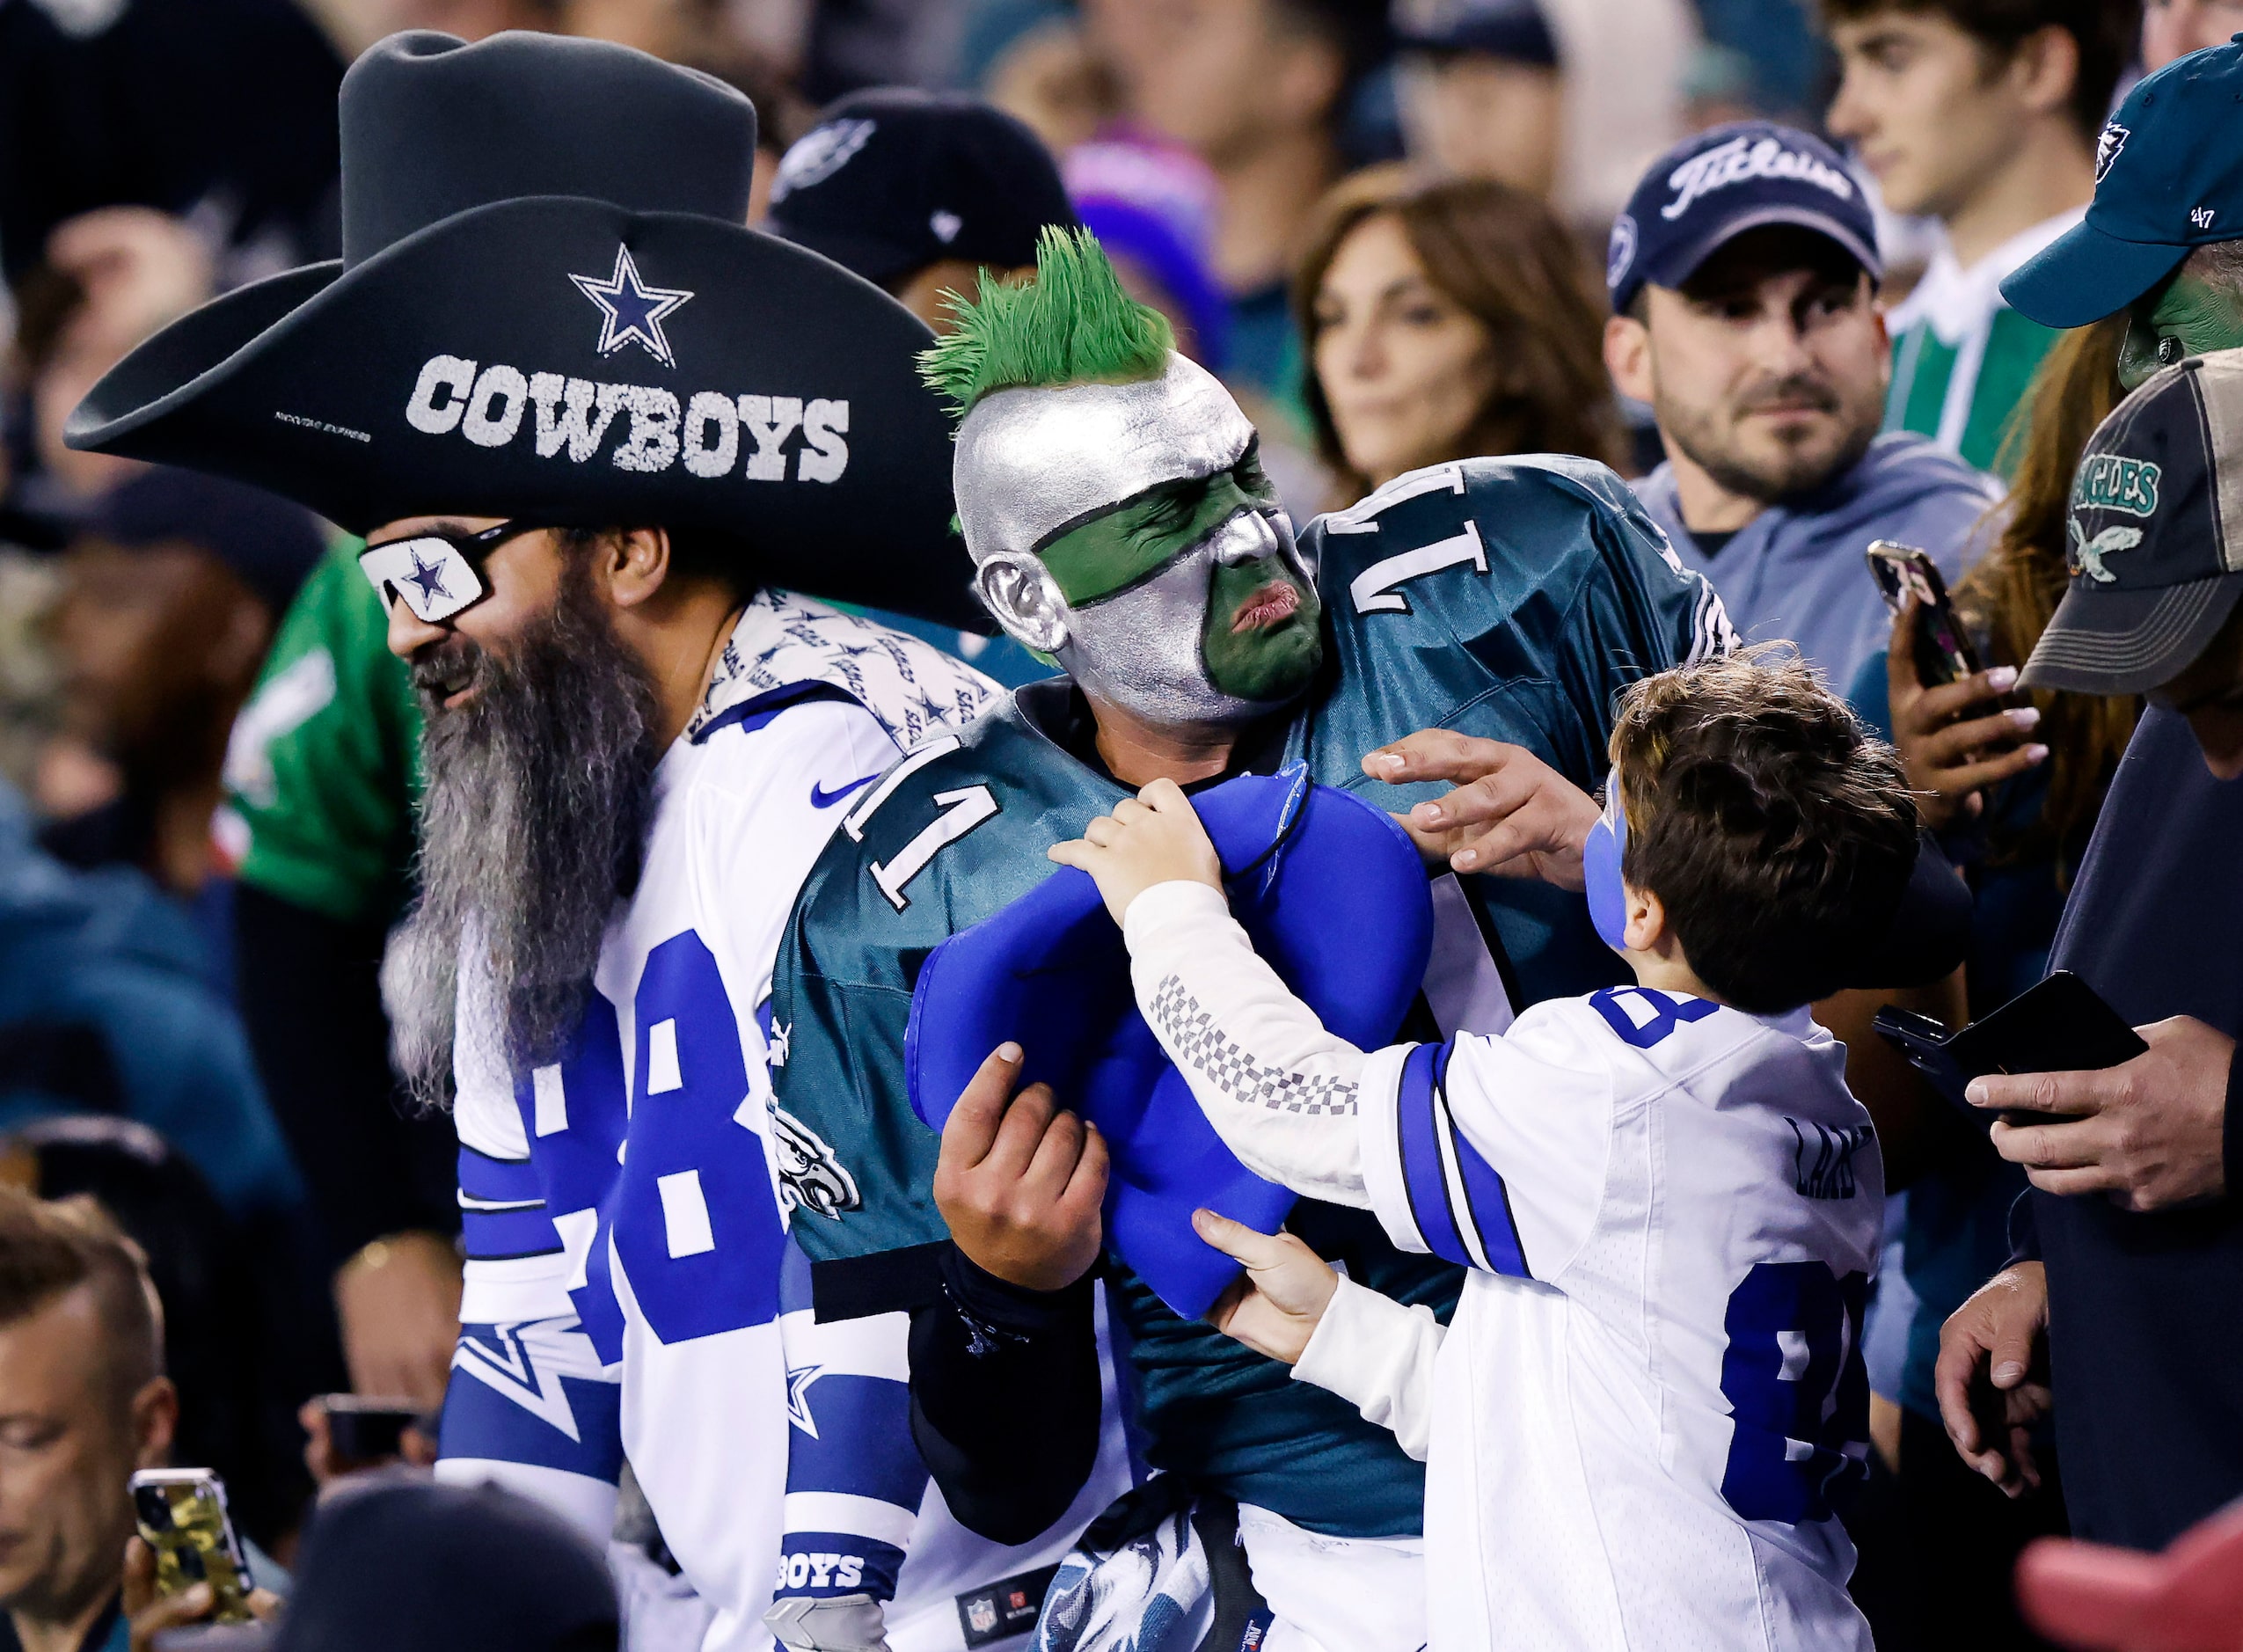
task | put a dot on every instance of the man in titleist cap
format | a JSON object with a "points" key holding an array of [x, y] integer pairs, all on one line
{"points": [[1744, 279], [2129, 1247], [590, 427]]}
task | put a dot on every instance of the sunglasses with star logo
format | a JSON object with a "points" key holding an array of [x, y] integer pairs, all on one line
{"points": [[436, 575]]}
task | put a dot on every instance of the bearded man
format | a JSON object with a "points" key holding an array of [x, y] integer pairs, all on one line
{"points": [[1744, 280], [585, 421], [1109, 493]]}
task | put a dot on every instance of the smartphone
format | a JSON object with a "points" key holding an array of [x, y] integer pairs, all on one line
{"points": [[1943, 650], [182, 1516], [2058, 1025], [363, 1430]]}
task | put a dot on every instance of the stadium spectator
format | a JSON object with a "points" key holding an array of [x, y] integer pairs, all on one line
{"points": [[1481, 90], [1983, 115], [170, 597], [83, 1402], [1447, 319], [921, 194], [1744, 280], [240, 1333], [2174, 28], [1565, 98], [2129, 1253], [2014, 788], [1257, 88]]}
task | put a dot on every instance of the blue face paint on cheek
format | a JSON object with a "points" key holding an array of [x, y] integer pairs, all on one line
{"points": [[1600, 865]]}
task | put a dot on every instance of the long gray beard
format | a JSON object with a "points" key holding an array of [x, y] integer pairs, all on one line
{"points": [[539, 794]]}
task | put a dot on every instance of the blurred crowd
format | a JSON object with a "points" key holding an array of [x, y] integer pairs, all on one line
{"points": [[1402, 237]]}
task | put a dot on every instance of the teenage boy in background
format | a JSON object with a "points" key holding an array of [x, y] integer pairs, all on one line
{"points": [[1983, 115]]}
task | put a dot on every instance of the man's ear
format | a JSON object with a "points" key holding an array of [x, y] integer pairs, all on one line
{"points": [[2045, 67], [1022, 597], [156, 1419], [1628, 356], [1645, 930], [633, 563]]}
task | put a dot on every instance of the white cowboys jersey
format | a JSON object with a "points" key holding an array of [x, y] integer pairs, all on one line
{"points": [[1652, 1390], [631, 1288]]}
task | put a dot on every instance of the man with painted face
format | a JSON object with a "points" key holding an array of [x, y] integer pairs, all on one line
{"points": [[588, 423], [1108, 491], [2160, 241]]}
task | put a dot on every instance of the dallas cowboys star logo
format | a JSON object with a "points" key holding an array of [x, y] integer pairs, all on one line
{"points": [[630, 311], [799, 1378], [429, 576]]}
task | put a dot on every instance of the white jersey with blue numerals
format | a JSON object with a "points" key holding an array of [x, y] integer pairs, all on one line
{"points": [[631, 1290], [1652, 1389]]}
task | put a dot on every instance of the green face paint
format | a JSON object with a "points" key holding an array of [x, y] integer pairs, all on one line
{"points": [[1274, 653], [2183, 316], [1140, 536]]}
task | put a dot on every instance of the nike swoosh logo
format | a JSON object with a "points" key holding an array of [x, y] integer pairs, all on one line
{"points": [[820, 798]]}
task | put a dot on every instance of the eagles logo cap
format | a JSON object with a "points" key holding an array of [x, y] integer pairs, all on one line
{"points": [[892, 180], [2154, 535], [1712, 188], [2168, 179]]}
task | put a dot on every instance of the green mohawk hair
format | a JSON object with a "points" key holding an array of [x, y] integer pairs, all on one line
{"points": [[1074, 324]]}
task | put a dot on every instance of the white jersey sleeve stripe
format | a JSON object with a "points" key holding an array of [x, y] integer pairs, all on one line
{"points": [[872, 1517]]}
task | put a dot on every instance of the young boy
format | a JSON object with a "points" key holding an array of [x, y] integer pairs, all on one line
{"points": [[1669, 1199]]}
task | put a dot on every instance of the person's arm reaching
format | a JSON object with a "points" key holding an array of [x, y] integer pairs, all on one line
{"points": [[1277, 1086], [1292, 1306]]}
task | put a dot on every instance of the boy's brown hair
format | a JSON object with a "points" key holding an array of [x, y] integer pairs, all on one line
{"points": [[1778, 832], [2105, 30]]}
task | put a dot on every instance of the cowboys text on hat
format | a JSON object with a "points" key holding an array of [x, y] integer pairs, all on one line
{"points": [[574, 416]]}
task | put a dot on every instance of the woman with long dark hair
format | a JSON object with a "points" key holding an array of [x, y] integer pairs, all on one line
{"points": [[1445, 319]]}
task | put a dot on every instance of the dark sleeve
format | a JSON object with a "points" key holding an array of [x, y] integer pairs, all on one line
{"points": [[312, 1002], [2024, 1233], [1004, 1398]]}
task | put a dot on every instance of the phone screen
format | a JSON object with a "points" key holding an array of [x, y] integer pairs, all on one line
{"points": [[1943, 650]]}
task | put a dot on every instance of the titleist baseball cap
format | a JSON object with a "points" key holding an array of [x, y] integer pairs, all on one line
{"points": [[1715, 185], [2155, 535]]}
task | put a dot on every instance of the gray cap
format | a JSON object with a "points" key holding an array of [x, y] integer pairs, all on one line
{"points": [[2155, 535]]}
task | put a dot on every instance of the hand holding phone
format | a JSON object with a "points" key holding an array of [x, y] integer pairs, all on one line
{"points": [[1955, 736], [2058, 1025], [182, 1516]]}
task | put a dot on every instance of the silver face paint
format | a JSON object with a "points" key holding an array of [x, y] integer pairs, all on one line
{"points": [[1140, 648], [1029, 462]]}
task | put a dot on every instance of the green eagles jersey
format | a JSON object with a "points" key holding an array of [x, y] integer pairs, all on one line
{"points": [[1924, 386], [322, 764], [1511, 599]]}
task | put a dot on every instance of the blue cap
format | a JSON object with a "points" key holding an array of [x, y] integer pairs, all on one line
{"points": [[2169, 179], [1512, 29], [1715, 185]]}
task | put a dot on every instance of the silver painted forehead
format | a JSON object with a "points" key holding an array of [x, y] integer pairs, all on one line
{"points": [[1029, 461]]}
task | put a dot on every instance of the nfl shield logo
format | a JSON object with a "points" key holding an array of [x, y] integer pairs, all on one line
{"points": [[981, 1614]]}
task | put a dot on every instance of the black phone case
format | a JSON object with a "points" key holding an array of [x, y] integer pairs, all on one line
{"points": [[2058, 1025]]}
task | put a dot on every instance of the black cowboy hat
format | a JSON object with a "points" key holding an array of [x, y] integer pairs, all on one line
{"points": [[548, 307]]}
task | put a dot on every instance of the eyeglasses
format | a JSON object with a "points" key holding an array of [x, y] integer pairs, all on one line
{"points": [[437, 575]]}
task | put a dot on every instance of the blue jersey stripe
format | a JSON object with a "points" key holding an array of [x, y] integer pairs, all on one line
{"points": [[818, 1563], [1416, 1119], [1487, 1200], [862, 1445], [491, 1235], [499, 1181]]}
